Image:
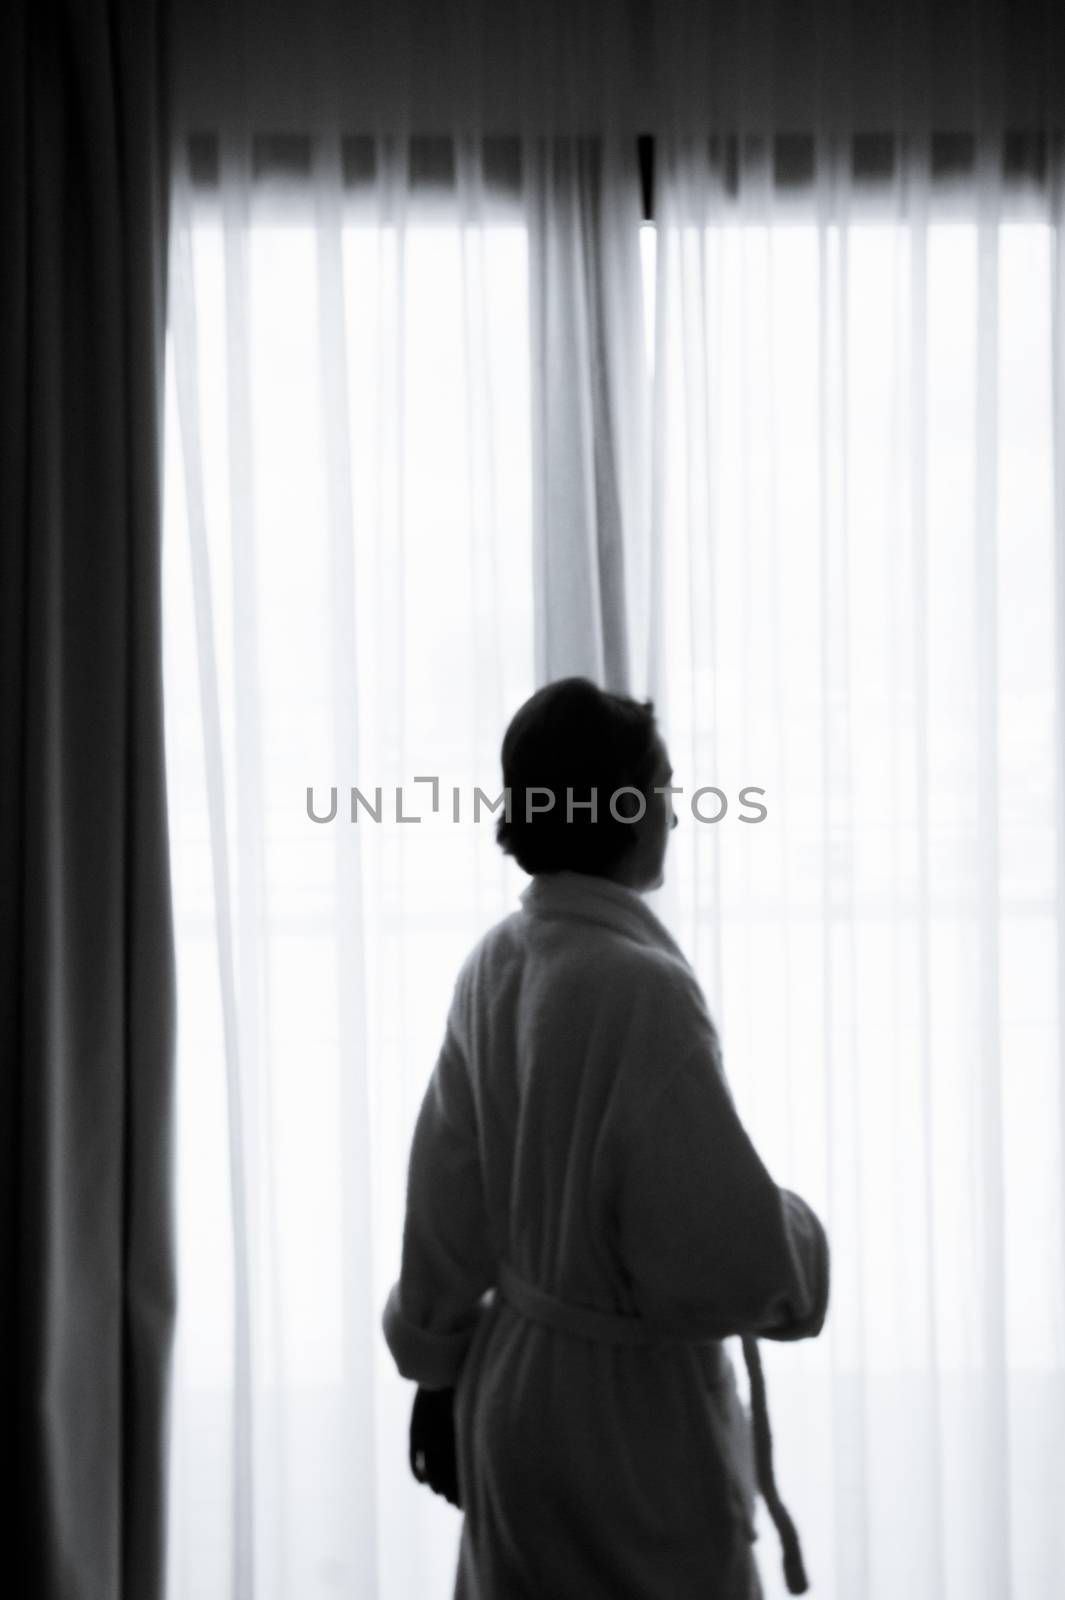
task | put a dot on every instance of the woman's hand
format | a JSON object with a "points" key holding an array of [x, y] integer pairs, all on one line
{"points": [[433, 1455]]}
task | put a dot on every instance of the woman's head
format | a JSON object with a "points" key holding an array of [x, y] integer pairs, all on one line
{"points": [[571, 740]]}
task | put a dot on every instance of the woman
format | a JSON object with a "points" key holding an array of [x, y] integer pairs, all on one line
{"points": [[586, 1217]]}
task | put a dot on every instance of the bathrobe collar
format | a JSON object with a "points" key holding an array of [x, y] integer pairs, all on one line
{"points": [[584, 898]]}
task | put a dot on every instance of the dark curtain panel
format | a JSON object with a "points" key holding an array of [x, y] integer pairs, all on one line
{"points": [[86, 999]]}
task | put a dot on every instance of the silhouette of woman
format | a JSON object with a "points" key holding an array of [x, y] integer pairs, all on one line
{"points": [[587, 1219]]}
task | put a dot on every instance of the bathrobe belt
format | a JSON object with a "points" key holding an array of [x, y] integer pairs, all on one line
{"points": [[605, 1327]]}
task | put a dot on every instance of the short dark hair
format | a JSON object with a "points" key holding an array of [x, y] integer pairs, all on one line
{"points": [[572, 735]]}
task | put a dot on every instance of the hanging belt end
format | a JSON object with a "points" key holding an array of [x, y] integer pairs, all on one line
{"points": [[794, 1570]]}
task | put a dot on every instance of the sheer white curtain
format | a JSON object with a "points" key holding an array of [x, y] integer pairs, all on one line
{"points": [[414, 466], [853, 575], [858, 442], [348, 603]]}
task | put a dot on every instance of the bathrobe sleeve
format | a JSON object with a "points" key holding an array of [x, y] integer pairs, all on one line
{"points": [[709, 1240], [448, 1261]]}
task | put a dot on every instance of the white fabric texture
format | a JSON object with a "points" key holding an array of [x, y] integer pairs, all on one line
{"points": [[857, 448], [578, 1128], [348, 604], [880, 955]]}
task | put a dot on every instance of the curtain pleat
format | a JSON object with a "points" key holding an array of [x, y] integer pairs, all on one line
{"points": [[914, 439], [85, 936], [992, 546], [586, 323], [354, 1100]]}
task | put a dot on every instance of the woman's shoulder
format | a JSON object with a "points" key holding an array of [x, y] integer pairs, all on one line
{"points": [[496, 950], [658, 970], [630, 977]]}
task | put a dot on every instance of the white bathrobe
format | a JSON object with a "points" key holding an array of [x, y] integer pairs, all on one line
{"points": [[578, 1140]]}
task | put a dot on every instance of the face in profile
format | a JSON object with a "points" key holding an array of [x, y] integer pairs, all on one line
{"points": [[644, 867]]}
